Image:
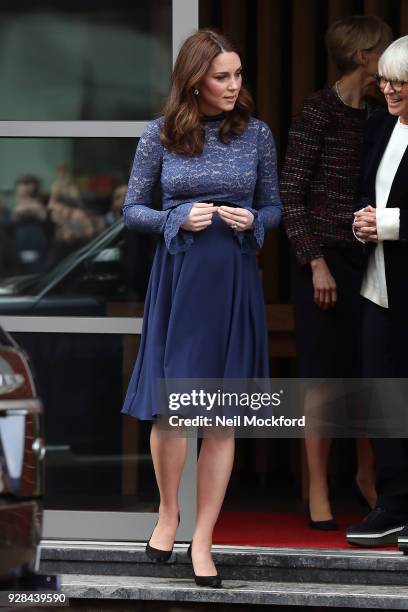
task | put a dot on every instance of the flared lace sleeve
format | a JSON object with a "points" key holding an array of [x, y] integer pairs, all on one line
{"points": [[267, 207], [178, 240], [137, 210]]}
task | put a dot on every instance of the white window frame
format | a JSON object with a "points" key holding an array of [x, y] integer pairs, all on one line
{"points": [[62, 526], [184, 22]]}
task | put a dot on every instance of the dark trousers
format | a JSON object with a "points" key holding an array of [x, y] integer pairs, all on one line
{"points": [[391, 454]]}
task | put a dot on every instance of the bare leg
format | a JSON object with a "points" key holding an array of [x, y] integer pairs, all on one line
{"points": [[365, 476], [319, 402], [169, 455], [213, 473], [317, 452]]}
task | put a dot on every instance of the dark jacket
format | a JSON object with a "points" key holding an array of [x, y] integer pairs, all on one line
{"points": [[378, 132], [320, 174]]}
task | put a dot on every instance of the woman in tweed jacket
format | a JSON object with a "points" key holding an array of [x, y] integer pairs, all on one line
{"points": [[318, 188]]}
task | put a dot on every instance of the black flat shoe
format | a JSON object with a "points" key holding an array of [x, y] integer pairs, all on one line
{"points": [[213, 582], [329, 525], [155, 554]]}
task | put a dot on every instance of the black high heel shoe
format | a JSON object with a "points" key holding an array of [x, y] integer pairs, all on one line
{"points": [[329, 525], [155, 554], [214, 582]]}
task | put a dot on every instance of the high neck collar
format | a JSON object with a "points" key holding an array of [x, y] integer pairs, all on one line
{"points": [[208, 118]]}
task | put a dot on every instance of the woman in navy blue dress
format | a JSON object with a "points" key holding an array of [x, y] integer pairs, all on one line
{"points": [[204, 313]]}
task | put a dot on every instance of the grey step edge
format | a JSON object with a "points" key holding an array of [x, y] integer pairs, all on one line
{"points": [[259, 593]]}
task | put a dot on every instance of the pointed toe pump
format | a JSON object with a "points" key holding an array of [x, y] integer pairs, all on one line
{"points": [[156, 554], [213, 582]]}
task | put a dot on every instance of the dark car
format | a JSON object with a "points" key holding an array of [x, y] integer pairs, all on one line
{"points": [[112, 268], [21, 464]]}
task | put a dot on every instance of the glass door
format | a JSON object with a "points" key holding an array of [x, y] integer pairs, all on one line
{"points": [[80, 82]]}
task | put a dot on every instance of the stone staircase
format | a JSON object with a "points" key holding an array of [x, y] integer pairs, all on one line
{"points": [[261, 576]]}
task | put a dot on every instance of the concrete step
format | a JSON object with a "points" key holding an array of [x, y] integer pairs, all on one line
{"points": [[236, 563], [236, 592]]}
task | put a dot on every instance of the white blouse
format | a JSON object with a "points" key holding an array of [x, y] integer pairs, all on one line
{"points": [[374, 285]]}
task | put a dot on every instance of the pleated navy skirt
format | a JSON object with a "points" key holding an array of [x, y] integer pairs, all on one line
{"points": [[204, 318]]}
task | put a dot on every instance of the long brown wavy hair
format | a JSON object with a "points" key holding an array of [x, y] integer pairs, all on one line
{"points": [[182, 130]]}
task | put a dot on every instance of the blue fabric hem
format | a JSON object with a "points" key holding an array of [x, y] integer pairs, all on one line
{"points": [[143, 417]]}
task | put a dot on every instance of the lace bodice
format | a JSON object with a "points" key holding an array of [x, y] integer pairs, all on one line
{"points": [[242, 172]]}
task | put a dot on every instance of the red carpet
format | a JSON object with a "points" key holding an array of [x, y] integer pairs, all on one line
{"points": [[288, 530]]}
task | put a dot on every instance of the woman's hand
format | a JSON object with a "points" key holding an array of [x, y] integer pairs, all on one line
{"points": [[324, 285], [199, 218], [239, 219], [365, 224]]}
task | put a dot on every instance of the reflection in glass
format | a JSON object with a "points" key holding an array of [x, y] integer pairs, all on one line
{"points": [[96, 458], [63, 247], [80, 60]]}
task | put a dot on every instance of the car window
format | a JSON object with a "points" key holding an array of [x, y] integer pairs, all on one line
{"points": [[115, 268]]}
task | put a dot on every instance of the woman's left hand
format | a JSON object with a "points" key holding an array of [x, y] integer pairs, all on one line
{"points": [[365, 224], [239, 219]]}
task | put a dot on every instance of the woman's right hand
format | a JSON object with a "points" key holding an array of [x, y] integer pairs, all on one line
{"points": [[324, 285], [199, 218]]}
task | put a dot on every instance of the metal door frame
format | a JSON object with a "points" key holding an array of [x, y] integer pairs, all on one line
{"points": [[70, 526]]}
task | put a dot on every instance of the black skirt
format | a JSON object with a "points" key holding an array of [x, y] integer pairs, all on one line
{"points": [[329, 341]]}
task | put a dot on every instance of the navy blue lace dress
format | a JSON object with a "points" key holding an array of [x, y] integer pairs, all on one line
{"points": [[204, 312]]}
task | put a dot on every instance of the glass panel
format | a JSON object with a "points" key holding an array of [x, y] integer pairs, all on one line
{"points": [[96, 458], [271, 476], [80, 60], [63, 247]]}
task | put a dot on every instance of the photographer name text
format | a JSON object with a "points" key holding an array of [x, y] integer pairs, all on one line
{"points": [[236, 421]]}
